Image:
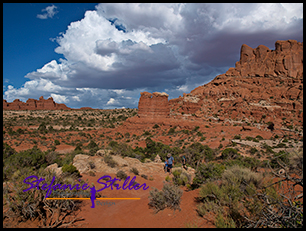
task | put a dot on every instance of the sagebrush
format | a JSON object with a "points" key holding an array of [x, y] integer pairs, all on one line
{"points": [[169, 196]]}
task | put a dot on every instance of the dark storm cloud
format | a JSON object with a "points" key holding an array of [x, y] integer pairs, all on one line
{"points": [[118, 50]]}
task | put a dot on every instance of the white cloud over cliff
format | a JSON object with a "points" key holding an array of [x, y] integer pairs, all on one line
{"points": [[118, 50]]}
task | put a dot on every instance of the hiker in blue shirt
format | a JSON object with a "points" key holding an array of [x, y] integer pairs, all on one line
{"points": [[170, 162], [183, 161], [166, 166]]}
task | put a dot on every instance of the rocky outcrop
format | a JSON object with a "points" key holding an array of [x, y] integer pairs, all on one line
{"points": [[157, 159], [188, 104], [265, 85], [54, 169], [33, 104], [286, 61], [86, 164], [153, 108], [153, 105]]}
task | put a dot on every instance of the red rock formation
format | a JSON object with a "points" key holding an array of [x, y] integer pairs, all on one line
{"points": [[33, 104], [152, 109], [265, 85], [188, 104], [153, 105], [286, 60]]}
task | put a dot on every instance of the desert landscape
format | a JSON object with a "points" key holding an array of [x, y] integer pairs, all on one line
{"points": [[240, 133]]}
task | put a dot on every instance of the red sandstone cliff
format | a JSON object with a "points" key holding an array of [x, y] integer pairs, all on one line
{"points": [[153, 108], [265, 85], [286, 61], [153, 105], [33, 104]]}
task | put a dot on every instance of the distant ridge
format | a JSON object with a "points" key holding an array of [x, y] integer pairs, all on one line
{"points": [[33, 104]]}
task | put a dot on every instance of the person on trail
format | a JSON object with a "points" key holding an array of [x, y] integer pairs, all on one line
{"points": [[184, 162], [166, 166], [170, 162]]}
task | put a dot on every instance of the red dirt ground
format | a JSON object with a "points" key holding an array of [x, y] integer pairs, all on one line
{"points": [[134, 213]]}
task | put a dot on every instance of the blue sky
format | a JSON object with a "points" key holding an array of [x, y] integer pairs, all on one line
{"points": [[26, 38], [104, 55]]}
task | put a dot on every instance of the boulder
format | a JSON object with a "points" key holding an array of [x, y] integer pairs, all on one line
{"points": [[81, 162], [103, 152], [157, 159], [53, 168]]}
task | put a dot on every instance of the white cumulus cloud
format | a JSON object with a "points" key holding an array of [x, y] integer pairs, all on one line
{"points": [[120, 49], [112, 101], [50, 12], [59, 98]]}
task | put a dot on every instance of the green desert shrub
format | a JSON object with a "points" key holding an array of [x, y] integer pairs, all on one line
{"points": [[156, 126], [196, 152], [224, 221], [92, 144], [281, 157], [42, 127], [108, 159], [121, 175], [216, 197], [78, 149], [172, 195], [180, 177], [169, 196], [208, 171], [229, 153], [144, 176], [8, 151], [253, 150], [157, 200], [121, 149], [243, 198], [244, 176], [71, 169], [135, 171], [31, 158], [171, 131]]}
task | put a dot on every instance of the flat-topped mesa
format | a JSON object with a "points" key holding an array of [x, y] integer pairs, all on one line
{"points": [[285, 61], [153, 105]]}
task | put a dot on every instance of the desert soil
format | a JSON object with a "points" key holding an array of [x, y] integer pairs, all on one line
{"points": [[136, 213]]}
